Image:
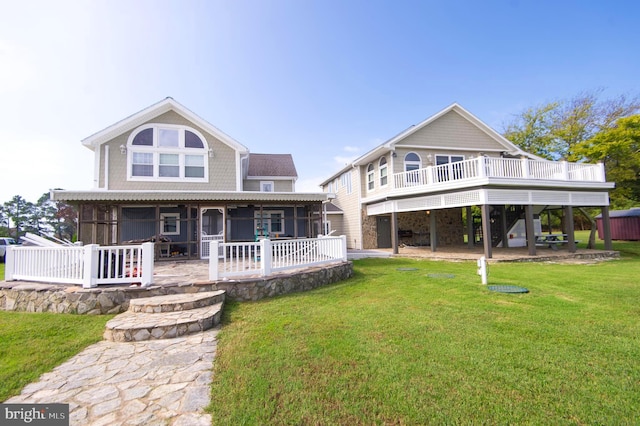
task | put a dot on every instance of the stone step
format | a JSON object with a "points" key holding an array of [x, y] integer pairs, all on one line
{"points": [[176, 302], [137, 326]]}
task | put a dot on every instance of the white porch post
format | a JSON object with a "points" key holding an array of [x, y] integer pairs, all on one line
{"points": [[214, 274], [482, 172], [565, 169], [8, 264], [524, 165], [147, 264], [603, 177], [90, 265], [343, 247], [265, 257]]}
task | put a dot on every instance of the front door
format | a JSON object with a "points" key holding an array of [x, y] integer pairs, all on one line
{"points": [[211, 228], [384, 231]]}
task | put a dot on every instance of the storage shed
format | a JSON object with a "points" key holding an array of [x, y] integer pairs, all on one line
{"points": [[625, 224]]}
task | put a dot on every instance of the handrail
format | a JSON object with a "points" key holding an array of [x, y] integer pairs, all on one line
{"points": [[505, 168]]}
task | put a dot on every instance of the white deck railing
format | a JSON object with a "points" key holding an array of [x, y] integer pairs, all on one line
{"points": [[267, 256], [506, 168], [89, 265]]}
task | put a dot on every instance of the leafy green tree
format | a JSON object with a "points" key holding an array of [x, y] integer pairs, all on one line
{"points": [[553, 130], [20, 212], [618, 148]]}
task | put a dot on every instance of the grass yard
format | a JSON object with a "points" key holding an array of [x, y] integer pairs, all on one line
{"points": [[432, 346], [32, 344]]}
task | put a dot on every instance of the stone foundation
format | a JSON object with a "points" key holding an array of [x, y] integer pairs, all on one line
{"points": [[35, 297]]}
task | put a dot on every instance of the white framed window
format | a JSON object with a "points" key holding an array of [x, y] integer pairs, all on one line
{"points": [[269, 223], [345, 181], [412, 161], [170, 223], [370, 177], [167, 153], [382, 166], [330, 189], [266, 186]]}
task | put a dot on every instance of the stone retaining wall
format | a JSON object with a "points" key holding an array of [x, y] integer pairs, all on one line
{"points": [[35, 297]]}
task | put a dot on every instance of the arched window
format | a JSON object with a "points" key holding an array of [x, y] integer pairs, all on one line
{"points": [[382, 165], [370, 177], [412, 162], [167, 152]]}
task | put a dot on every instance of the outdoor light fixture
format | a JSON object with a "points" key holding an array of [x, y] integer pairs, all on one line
{"points": [[123, 149], [211, 152], [429, 158]]}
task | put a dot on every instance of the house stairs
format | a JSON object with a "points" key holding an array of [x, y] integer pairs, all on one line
{"points": [[165, 317]]}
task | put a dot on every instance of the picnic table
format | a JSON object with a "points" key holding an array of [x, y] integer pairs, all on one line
{"points": [[552, 241]]}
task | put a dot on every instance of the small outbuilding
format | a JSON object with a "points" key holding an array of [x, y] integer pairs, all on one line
{"points": [[625, 224]]}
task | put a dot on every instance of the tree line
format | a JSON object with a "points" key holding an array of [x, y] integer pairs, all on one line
{"points": [[44, 217]]}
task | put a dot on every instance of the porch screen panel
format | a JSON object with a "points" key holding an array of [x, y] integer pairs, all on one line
{"points": [[138, 223]]}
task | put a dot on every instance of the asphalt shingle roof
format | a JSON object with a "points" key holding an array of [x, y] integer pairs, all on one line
{"points": [[272, 165]]}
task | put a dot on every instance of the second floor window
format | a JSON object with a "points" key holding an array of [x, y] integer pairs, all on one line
{"points": [[167, 153], [370, 177], [383, 171]]}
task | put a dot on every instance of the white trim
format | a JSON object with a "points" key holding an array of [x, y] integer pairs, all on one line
{"points": [[267, 182], [371, 174], [181, 150], [447, 148], [386, 166], [260, 215], [106, 167], [96, 169], [164, 216], [153, 111]]}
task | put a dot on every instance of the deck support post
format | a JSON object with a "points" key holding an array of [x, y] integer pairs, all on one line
{"points": [[394, 232], [569, 228], [503, 224], [433, 236], [530, 231], [606, 228], [470, 235], [486, 231]]}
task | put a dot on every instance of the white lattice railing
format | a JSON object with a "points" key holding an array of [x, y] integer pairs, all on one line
{"points": [[506, 168], [267, 256], [89, 265], [204, 244]]}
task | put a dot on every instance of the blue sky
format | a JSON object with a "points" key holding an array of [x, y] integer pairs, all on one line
{"points": [[323, 80]]}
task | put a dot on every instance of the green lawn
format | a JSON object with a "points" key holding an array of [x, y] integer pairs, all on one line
{"points": [[32, 344], [403, 347]]}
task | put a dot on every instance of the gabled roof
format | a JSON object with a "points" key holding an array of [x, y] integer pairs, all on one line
{"points": [[389, 145], [155, 110], [271, 165]]}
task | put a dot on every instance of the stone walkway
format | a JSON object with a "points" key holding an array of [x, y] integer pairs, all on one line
{"points": [[157, 382]]}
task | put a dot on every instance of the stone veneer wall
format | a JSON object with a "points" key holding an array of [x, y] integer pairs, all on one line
{"points": [[449, 225], [369, 231], [34, 297]]}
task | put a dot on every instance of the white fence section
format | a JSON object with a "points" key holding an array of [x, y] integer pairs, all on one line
{"points": [[267, 256], [205, 244], [509, 168], [90, 265]]}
